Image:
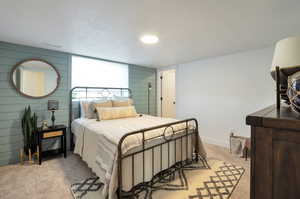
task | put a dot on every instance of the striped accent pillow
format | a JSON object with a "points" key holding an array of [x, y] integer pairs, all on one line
{"points": [[118, 103], [110, 113]]}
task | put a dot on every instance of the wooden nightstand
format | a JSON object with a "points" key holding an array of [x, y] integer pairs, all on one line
{"points": [[57, 131]]}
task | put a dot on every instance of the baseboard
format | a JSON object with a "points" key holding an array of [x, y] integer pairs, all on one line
{"points": [[215, 142]]}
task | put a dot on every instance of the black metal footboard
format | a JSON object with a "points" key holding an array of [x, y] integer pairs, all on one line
{"points": [[175, 136]]}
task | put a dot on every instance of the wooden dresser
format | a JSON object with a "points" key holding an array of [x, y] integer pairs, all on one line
{"points": [[275, 155]]}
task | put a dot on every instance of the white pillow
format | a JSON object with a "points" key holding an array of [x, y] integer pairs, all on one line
{"points": [[86, 109], [110, 113]]}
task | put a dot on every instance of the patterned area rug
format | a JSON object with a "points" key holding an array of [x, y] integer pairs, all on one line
{"points": [[192, 182]]}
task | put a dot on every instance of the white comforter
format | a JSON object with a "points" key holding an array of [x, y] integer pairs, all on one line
{"points": [[106, 134]]}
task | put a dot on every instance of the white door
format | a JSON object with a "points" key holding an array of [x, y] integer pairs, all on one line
{"points": [[168, 95]]}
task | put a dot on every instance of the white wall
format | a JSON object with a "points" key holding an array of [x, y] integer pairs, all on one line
{"points": [[221, 91]]}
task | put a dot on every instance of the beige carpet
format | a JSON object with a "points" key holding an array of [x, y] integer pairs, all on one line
{"points": [[53, 178]]}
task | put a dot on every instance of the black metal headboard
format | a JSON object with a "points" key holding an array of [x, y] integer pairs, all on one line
{"points": [[90, 93]]}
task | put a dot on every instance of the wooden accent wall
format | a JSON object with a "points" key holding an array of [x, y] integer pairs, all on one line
{"points": [[12, 104], [138, 83]]}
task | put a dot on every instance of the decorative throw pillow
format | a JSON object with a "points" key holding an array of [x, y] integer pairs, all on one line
{"points": [[99, 103], [110, 113], [106, 103], [125, 102], [86, 110]]}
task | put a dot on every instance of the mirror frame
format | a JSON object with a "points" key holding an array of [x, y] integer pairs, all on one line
{"points": [[34, 59]]}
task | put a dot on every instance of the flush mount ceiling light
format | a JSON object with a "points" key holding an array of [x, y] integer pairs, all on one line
{"points": [[149, 39]]}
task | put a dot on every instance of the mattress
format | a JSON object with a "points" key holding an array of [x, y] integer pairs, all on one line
{"points": [[96, 142]]}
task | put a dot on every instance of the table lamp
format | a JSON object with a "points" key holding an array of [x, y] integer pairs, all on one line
{"points": [[286, 62], [53, 106]]}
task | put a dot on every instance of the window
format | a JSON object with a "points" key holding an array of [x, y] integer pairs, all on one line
{"points": [[88, 72]]}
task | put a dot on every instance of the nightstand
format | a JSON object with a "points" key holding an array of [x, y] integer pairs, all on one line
{"points": [[50, 133]]}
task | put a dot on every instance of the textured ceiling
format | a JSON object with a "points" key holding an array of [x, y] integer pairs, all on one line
{"points": [[110, 29]]}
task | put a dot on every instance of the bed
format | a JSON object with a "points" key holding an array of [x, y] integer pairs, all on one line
{"points": [[131, 154]]}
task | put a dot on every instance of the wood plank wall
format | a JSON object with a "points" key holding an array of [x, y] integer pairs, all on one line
{"points": [[138, 82], [12, 104]]}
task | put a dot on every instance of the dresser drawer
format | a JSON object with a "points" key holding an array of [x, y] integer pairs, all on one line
{"points": [[52, 134]]}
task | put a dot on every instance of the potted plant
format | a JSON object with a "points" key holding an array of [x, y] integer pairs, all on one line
{"points": [[29, 127]]}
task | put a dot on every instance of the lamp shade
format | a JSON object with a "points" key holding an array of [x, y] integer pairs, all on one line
{"points": [[52, 105], [286, 57]]}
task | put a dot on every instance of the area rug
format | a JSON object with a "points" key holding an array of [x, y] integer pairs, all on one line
{"points": [[191, 182]]}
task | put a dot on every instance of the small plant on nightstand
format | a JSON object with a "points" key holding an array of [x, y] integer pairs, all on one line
{"points": [[29, 127]]}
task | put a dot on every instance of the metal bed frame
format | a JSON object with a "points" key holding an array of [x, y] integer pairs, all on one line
{"points": [[168, 135]]}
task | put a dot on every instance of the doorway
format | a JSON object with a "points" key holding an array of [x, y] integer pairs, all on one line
{"points": [[168, 93]]}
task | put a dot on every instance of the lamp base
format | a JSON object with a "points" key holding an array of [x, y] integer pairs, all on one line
{"points": [[53, 119]]}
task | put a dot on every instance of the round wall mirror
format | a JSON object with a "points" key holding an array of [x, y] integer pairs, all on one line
{"points": [[35, 78]]}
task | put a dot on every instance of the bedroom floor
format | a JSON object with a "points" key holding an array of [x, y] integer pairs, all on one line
{"points": [[53, 178]]}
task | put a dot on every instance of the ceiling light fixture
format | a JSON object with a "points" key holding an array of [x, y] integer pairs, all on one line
{"points": [[149, 39]]}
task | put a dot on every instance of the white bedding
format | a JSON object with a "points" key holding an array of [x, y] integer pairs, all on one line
{"points": [[96, 143]]}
